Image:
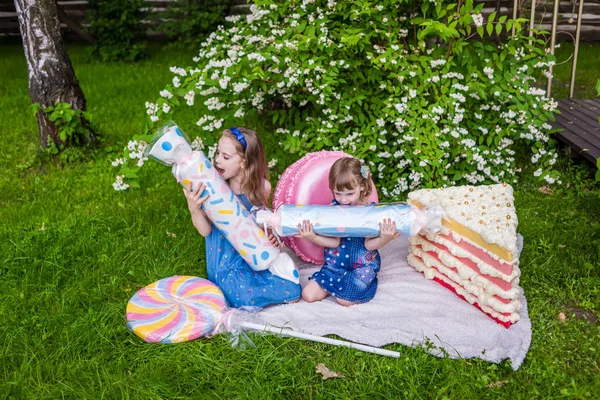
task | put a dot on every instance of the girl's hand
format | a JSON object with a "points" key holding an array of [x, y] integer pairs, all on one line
{"points": [[274, 241], [387, 230], [305, 230], [194, 198]]}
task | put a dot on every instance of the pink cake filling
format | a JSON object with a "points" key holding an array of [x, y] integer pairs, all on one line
{"points": [[501, 283], [435, 255], [505, 268]]}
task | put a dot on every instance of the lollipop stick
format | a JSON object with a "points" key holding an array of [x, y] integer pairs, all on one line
{"points": [[320, 339]]}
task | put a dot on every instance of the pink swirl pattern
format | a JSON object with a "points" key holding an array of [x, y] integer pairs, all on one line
{"points": [[175, 309]]}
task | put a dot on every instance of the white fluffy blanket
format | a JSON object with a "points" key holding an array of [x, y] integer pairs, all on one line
{"points": [[410, 310]]}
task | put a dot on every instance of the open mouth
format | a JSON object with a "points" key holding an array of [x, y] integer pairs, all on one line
{"points": [[220, 171]]}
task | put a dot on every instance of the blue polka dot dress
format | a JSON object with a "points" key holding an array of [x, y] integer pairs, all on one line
{"points": [[350, 271], [241, 285]]}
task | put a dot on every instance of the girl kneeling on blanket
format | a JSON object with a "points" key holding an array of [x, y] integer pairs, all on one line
{"points": [[241, 161], [351, 264]]}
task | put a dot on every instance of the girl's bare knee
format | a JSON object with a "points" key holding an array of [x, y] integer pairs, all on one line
{"points": [[345, 303], [312, 292]]}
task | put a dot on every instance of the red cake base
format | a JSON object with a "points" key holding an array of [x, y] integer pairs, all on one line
{"points": [[447, 286]]}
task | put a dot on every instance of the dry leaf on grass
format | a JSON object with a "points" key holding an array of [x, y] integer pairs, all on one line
{"points": [[327, 373], [562, 317], [496, 384], [171, 234], [546, 190]]}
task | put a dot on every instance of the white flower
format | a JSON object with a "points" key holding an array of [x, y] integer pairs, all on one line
{"points": [[272, 163], [178, 71], [166, 108], [240, 113], [477, 19], [118, 161], [189, 97], [176, 81], [224, 82], [166, 94], [412, 93], [489, 72], [119, 184], [197, 144], [211, 151]]}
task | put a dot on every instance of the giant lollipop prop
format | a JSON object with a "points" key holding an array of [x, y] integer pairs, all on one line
{"points": [[183, 308]]}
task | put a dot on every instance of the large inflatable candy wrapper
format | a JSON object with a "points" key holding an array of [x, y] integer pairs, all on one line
{"points": [[307, 182], [171, 147], [351, 221]]}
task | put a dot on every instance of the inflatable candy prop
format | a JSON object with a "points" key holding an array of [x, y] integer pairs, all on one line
{"points": [[351, 221], [223, 208], [175, 309], [183, 308], [307, 182]]}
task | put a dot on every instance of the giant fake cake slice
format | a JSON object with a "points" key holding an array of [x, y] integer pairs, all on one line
{"points": [[475, 253]]}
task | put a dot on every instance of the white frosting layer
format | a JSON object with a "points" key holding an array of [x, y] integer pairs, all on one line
{"points": [[486, 210], [431, 273], [474, 284], [456, 251]]}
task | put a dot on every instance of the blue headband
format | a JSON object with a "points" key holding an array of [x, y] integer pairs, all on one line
{"points": [[238, 135]]}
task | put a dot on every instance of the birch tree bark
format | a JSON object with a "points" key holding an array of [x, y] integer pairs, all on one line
{"points": [[51, 75]]}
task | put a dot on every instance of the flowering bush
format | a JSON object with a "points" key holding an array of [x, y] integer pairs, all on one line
{"points": [[408, 90]]}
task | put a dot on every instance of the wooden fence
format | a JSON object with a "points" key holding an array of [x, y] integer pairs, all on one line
{"points": [[72, 13]]}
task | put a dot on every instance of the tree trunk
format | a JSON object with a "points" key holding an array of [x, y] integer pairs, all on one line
{"points": [[51, 75]]}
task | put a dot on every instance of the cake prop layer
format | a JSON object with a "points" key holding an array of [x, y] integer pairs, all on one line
{"points": [[222, 207], [475, 252], [307, 182], [350, 221]]}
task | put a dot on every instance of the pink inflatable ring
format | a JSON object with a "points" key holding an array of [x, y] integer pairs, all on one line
{"points": [[307, 182]]}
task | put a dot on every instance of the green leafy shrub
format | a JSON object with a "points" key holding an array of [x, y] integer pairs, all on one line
{"points": [[73, 124], [117, 27], [188, 22], [408, 89]]}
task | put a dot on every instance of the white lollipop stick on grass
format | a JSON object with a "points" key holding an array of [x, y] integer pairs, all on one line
{"points": [[320, 339]]}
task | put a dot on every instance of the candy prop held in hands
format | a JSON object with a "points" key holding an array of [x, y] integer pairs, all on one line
{"points": [[183, 308], [351, 221], [175, 309], [307, 182], [223, 207]]}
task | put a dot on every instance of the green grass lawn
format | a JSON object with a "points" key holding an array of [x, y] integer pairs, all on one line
{"points": [[73, 251], [587, 72]]}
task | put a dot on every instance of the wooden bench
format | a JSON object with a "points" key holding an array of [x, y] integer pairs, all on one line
{"points": [[578, 120]]}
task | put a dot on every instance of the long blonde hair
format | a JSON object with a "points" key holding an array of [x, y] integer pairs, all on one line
{"points": [[255, 170], [348, 173]]}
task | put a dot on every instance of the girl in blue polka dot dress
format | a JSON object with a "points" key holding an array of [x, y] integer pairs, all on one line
{"points": [[241, 161], [351, 264]]}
